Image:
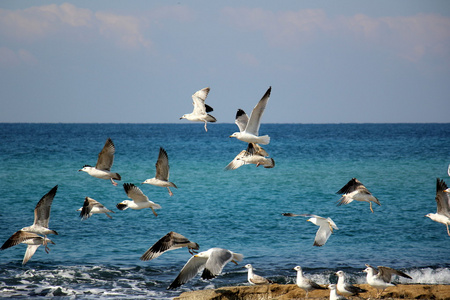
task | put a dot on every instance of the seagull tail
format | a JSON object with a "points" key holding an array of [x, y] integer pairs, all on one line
{"points": [[264, 140], [238, 257]]}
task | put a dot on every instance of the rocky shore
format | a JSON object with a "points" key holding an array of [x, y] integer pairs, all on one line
{"points": [[291, 291]]}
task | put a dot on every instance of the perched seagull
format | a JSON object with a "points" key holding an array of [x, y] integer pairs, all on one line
{"points": [[443, 204], [201, 110], [31, 239], [91, 206], [139, 200], [326, 227], [170, 241], [305, 283], [333, 293], [249, 128], [211, 261], [381, 278], [42, 215], [255, 279], [347, 289], [355, 190], [254, 154], [162, 172], [105, 161]]}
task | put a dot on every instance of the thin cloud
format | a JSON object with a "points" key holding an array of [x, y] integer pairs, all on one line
{"points": [[11, 58]]}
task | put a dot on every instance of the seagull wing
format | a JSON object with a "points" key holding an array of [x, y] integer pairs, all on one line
{"points": [[259, 150], [170, 241], [31, 249], [17, 238], [134, 193], [199, 98], [442, 198], [241, 119], [42, 209], [106, 156], [215, 263], [87, 207], [190, 269], [350, 186], [162, 165], [322, 235], [385, 273], [256, 279], [237, 161], [255, 118]]}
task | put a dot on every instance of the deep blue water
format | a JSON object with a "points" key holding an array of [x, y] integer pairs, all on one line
{"points": [[239, 210]]}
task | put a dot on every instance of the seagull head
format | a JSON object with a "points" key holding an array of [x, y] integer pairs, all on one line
{"points": [[85, 168], [183, 117], [298, 268], [340, 273], [248, 266], [235, 135]]}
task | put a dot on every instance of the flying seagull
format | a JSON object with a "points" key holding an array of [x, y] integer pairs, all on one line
{"points": [[326, 227], [31, 239], [355, 190], [105, 161], [254, 279], [254, 154], [249, 127], [170, 241], [347, 289], [162, 172], [211, 261], [381, 278], [443, 204], [91, 206], [305, 283], [139, 200], [42, 214], [201, 110], [333, 293]]}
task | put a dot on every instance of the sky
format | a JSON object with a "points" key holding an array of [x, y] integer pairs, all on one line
{"points": [[139, 61]]}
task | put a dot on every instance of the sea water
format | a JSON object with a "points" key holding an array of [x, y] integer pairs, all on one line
{"points": [[240, 210]]}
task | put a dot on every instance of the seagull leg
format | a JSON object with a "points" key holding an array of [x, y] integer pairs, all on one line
{"points": [[170, 192], [371, 206], [113, 182], [206, 129], [447, 229], [154, 212], [234, 262]]}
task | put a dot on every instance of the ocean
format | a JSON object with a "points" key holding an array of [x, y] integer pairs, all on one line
{"points": [[240, 210]]}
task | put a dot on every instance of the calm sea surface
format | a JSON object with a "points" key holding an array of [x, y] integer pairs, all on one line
{"points": [[239, 210]]}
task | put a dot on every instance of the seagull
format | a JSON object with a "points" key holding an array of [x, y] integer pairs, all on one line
{"points": [[105, 161], [201, 110], [326, 227], [211, 261], [333, 293], [249, 128], [91, 206], [254, 279], [381, 278], [347, 289], [170, 241], [355, 190], [254, 154], [305, 283], [162, 172], [443, 204], [42, 215], [139, 200], [31, 239]]}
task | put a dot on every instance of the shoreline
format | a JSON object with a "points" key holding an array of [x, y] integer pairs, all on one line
{"points": [[292, 291]]}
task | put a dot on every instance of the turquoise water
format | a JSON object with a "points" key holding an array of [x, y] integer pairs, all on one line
{"points": [[239, 210]]}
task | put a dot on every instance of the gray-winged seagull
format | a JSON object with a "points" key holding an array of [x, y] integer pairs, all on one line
{"points": [[255, 279], [201, 110], [139, 200], [92, 206], [249, 127], [305, 283], [254, 154], [381, 278], [211, 261], [355, 190], [442, 214], [333, 293], [170, 241], [162, 172], [105, 161], [31, 239], [345, 288]]}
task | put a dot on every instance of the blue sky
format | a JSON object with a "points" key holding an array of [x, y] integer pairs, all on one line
{"points": [[140, 61]]}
